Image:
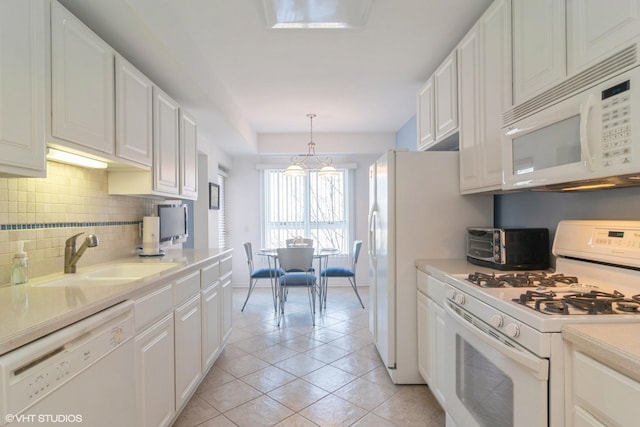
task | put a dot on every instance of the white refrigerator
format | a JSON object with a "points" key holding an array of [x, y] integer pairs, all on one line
{"points": [[415, 212]]}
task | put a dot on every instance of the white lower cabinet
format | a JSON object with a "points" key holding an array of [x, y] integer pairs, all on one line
{"points": [[155, 375], [181, 327], [430, 331], [188, 351], [598, 395]]}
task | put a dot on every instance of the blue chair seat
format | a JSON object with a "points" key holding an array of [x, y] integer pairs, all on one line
{"points": [[337, 272], [297, 279], [266, 273]]}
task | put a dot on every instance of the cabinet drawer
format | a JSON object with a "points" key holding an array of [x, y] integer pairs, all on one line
{"points": [[225, 265], [152, 306], [606, 394], [186, 287], [209, 274]]}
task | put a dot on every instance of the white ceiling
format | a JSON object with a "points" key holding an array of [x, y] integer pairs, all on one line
{"points": [[218, 59]]}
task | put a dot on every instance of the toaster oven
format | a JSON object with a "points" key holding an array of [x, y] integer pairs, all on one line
{"points": [[508, 248]]}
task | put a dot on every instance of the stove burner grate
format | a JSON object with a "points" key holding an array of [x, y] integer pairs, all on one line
{"points": [[521, 280]]}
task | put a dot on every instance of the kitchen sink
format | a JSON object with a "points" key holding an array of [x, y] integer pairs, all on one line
{"points": [[113, 275]]}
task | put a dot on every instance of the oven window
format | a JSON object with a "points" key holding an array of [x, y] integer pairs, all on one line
{"points": [[482, 387], [550, 146]]}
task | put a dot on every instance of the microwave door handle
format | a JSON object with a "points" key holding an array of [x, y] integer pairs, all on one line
{"points": [[585, 148]]}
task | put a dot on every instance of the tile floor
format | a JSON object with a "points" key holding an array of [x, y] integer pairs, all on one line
{"points": [[300, 375]]}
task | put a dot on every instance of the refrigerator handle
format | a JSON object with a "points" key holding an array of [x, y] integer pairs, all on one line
{"points": [[372, 234]]}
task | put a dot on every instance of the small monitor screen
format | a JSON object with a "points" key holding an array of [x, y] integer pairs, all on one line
{"points": [[173, 222]]}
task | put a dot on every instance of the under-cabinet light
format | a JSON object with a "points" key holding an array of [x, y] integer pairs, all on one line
{"points": [[589, 187], [74, 159]]}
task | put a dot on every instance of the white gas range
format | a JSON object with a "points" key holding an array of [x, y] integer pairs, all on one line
{"points": [[505, 328]]}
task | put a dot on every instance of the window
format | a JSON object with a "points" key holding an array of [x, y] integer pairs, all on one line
{"points": [[223, 229], [311, 206]]}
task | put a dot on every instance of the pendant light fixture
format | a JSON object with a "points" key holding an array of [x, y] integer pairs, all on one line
{"points": [[297, 166]]}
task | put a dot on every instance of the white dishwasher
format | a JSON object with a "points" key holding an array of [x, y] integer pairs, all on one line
{"points": [[83, 374]]}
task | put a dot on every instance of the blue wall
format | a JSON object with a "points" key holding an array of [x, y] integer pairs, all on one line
{"points": [[407, 136]]}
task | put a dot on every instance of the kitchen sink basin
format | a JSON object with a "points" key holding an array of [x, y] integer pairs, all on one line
{"points": [[113, 275]]}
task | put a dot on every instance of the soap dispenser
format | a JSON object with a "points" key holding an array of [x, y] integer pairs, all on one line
{"points": [[20, 268]]}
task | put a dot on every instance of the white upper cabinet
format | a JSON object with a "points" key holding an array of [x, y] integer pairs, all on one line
{"points": [[134, 132], [484, 77], [538, 46], [426, 131], [23, 40], [437, 107], [446, 97], [595, 27], [563, 46], [166, 153], [82, 85], [189, 156]]}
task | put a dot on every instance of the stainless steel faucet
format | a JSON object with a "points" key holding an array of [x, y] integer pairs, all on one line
{"points": [[71, 256]]}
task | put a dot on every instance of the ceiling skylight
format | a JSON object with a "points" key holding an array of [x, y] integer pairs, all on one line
{"points": [[316, 13]]}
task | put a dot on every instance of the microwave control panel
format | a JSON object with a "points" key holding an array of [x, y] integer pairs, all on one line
{"points": [[616, 124]]}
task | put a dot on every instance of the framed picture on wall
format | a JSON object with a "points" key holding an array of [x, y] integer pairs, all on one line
{"points": [[214, 196]]}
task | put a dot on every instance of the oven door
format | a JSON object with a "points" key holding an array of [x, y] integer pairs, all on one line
{"points": [[489, 380]]}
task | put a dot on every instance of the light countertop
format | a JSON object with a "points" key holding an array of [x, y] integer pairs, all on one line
{"points": [[616, 345], [30, 311]]}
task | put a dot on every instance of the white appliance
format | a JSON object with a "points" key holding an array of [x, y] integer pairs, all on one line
{"points": [[590, 140], [83, 374], [415, 211], [503, 330]]}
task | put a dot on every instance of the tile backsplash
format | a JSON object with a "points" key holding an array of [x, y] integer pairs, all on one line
{"points": [[44, 212]]}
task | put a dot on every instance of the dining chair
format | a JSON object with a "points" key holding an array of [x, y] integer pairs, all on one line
{"points": [[296, 264], [271, 273], [349, 273], [299, 242]]}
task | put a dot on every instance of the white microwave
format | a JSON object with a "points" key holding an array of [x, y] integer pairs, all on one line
{"points": [[590, 140]]}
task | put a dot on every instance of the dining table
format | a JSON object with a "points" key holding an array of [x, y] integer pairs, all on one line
{"points": [[321, 255]]}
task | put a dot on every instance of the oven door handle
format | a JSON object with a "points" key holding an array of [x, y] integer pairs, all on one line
{"points": [[539, 367]]}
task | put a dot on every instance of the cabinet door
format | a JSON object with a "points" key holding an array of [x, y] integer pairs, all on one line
{"points": [[166, 153], [436, 345], [189, 156], [211, 332], [469, 90], [227, 307], [495, 98], [538, 47], [426, 131], [424, 336], [134, 133], [597, 29], [446, 97], [82, 84], [155, 374], [22, 88], [188, 336]]}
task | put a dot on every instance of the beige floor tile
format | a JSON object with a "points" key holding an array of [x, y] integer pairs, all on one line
{"points": [[325, 334], [302, 343], [410, 406], [243, 365], [298, 394], [268, 378], [372, 420], [219, 421], [365, 394], [329, 378], [263, 411], [333, 411], [300, 365], [196, 412], [378, 375], [230, 395], [356, 364], [295, 420], [275, 353], [327, 353]]}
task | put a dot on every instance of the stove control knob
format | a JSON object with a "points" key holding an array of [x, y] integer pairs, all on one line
{"points": [[451, 294], [459, 299], [513, 330], [497, 320]]}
